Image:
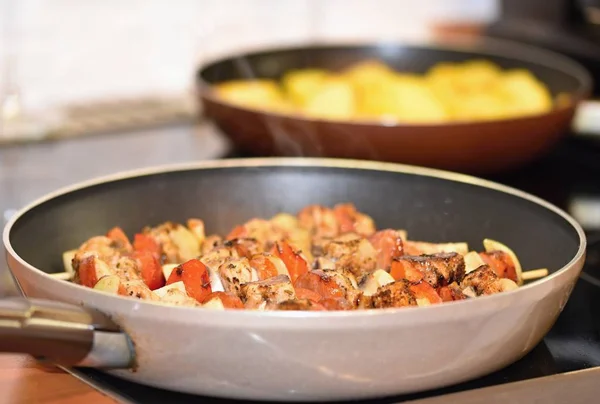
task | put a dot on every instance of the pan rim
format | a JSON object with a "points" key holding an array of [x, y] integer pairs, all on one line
{"points": [[308, 162], [483, 45]]}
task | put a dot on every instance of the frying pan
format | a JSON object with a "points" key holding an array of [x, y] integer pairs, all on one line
{"points": [[471, 147], [287, 355]]}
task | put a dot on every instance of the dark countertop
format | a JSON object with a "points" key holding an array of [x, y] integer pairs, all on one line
{"points": [[30, 170]]}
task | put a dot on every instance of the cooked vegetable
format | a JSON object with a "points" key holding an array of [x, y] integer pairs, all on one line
{"points": [[473, 90], [321, 259]]}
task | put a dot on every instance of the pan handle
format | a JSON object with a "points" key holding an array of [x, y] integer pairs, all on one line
{"points": [[65, 334]]}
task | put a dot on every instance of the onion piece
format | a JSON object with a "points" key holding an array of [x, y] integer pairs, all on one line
{"points": [[435, 248], [534, 274], [472, 261], [109, 284], [493, 245], [167, 269], [68, 261], [373, 281]]}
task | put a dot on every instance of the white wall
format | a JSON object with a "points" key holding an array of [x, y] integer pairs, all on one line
{"points": [[70, 50]]}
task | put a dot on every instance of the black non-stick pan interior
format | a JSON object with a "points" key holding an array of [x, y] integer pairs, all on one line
{"points": [[559, 74], [431, 209]]}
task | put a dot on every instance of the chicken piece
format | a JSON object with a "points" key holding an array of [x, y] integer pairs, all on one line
{"points": [[210, 243], [257, 295], [245, 247], [320, 221], [483, 281], [352, 221], [139, 290], [101, 247], [388, 244], [177, 243], [127, 269], [501, 263], [353, 253], [330, 283], [437, 269], [296, 305], [336, 304], [261, 230], [397, 294], [235, 272]]}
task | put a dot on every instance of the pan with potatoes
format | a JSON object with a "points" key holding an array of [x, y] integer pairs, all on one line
{"points": [[477, 109]]}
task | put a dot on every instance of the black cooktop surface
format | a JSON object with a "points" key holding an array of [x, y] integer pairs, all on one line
{"points": [[570, 178]]}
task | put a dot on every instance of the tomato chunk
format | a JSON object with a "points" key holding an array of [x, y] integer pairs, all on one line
{"points": [[388, 245], [237, 232], [446, 294], [308, 294], [144, 242], [501, 263], [295, 264], [150, 269], [229, 300], [424, 290], [195, 277], [324, 287], [87, 272], [336, 304], [402, 269], [264, 267], [117, 235]]}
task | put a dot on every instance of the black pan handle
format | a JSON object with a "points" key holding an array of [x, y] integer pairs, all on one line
{"points": [[64, 334]]}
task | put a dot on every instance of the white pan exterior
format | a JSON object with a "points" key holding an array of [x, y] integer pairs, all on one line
{"points": [[317, 356]]}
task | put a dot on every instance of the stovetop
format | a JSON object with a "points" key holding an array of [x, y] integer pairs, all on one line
{"points": [[570, 178]]}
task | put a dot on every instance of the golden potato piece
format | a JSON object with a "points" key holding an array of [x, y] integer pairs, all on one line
{"points": [[261, 94], [301, 85], [334, 99], [524, 94], [404, 99]]}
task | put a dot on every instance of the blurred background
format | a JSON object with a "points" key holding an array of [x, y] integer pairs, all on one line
{"points": [[96, 87], [69, 51]]}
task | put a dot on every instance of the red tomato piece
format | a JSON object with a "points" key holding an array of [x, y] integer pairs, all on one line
{"points": [[237, 232], [118, 235], [336, 304], [501, 263], [144, 242], [229, 300], [87, 272], [150, 269], [264, 267], [295, 264], [326, 288], [424, 290], [388, 245], [402, 269], [195, 277], [446, 294], [308, 294]]}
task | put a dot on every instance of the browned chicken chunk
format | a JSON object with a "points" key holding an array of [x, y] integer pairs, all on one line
{"points": [[395, 294], [234, 273], [353, 253], [483, 280], [256, 295], [437, 269]]}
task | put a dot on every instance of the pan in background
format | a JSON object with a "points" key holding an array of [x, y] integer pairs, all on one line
{"points": [[314, 356], [474, 147]]}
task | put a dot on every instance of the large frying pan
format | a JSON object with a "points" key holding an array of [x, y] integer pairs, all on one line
{"points": [[473, 147], [287, 355]]}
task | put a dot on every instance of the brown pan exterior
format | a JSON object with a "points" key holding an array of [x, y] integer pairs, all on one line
{"points": [[466, 147], [473, 147]]}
